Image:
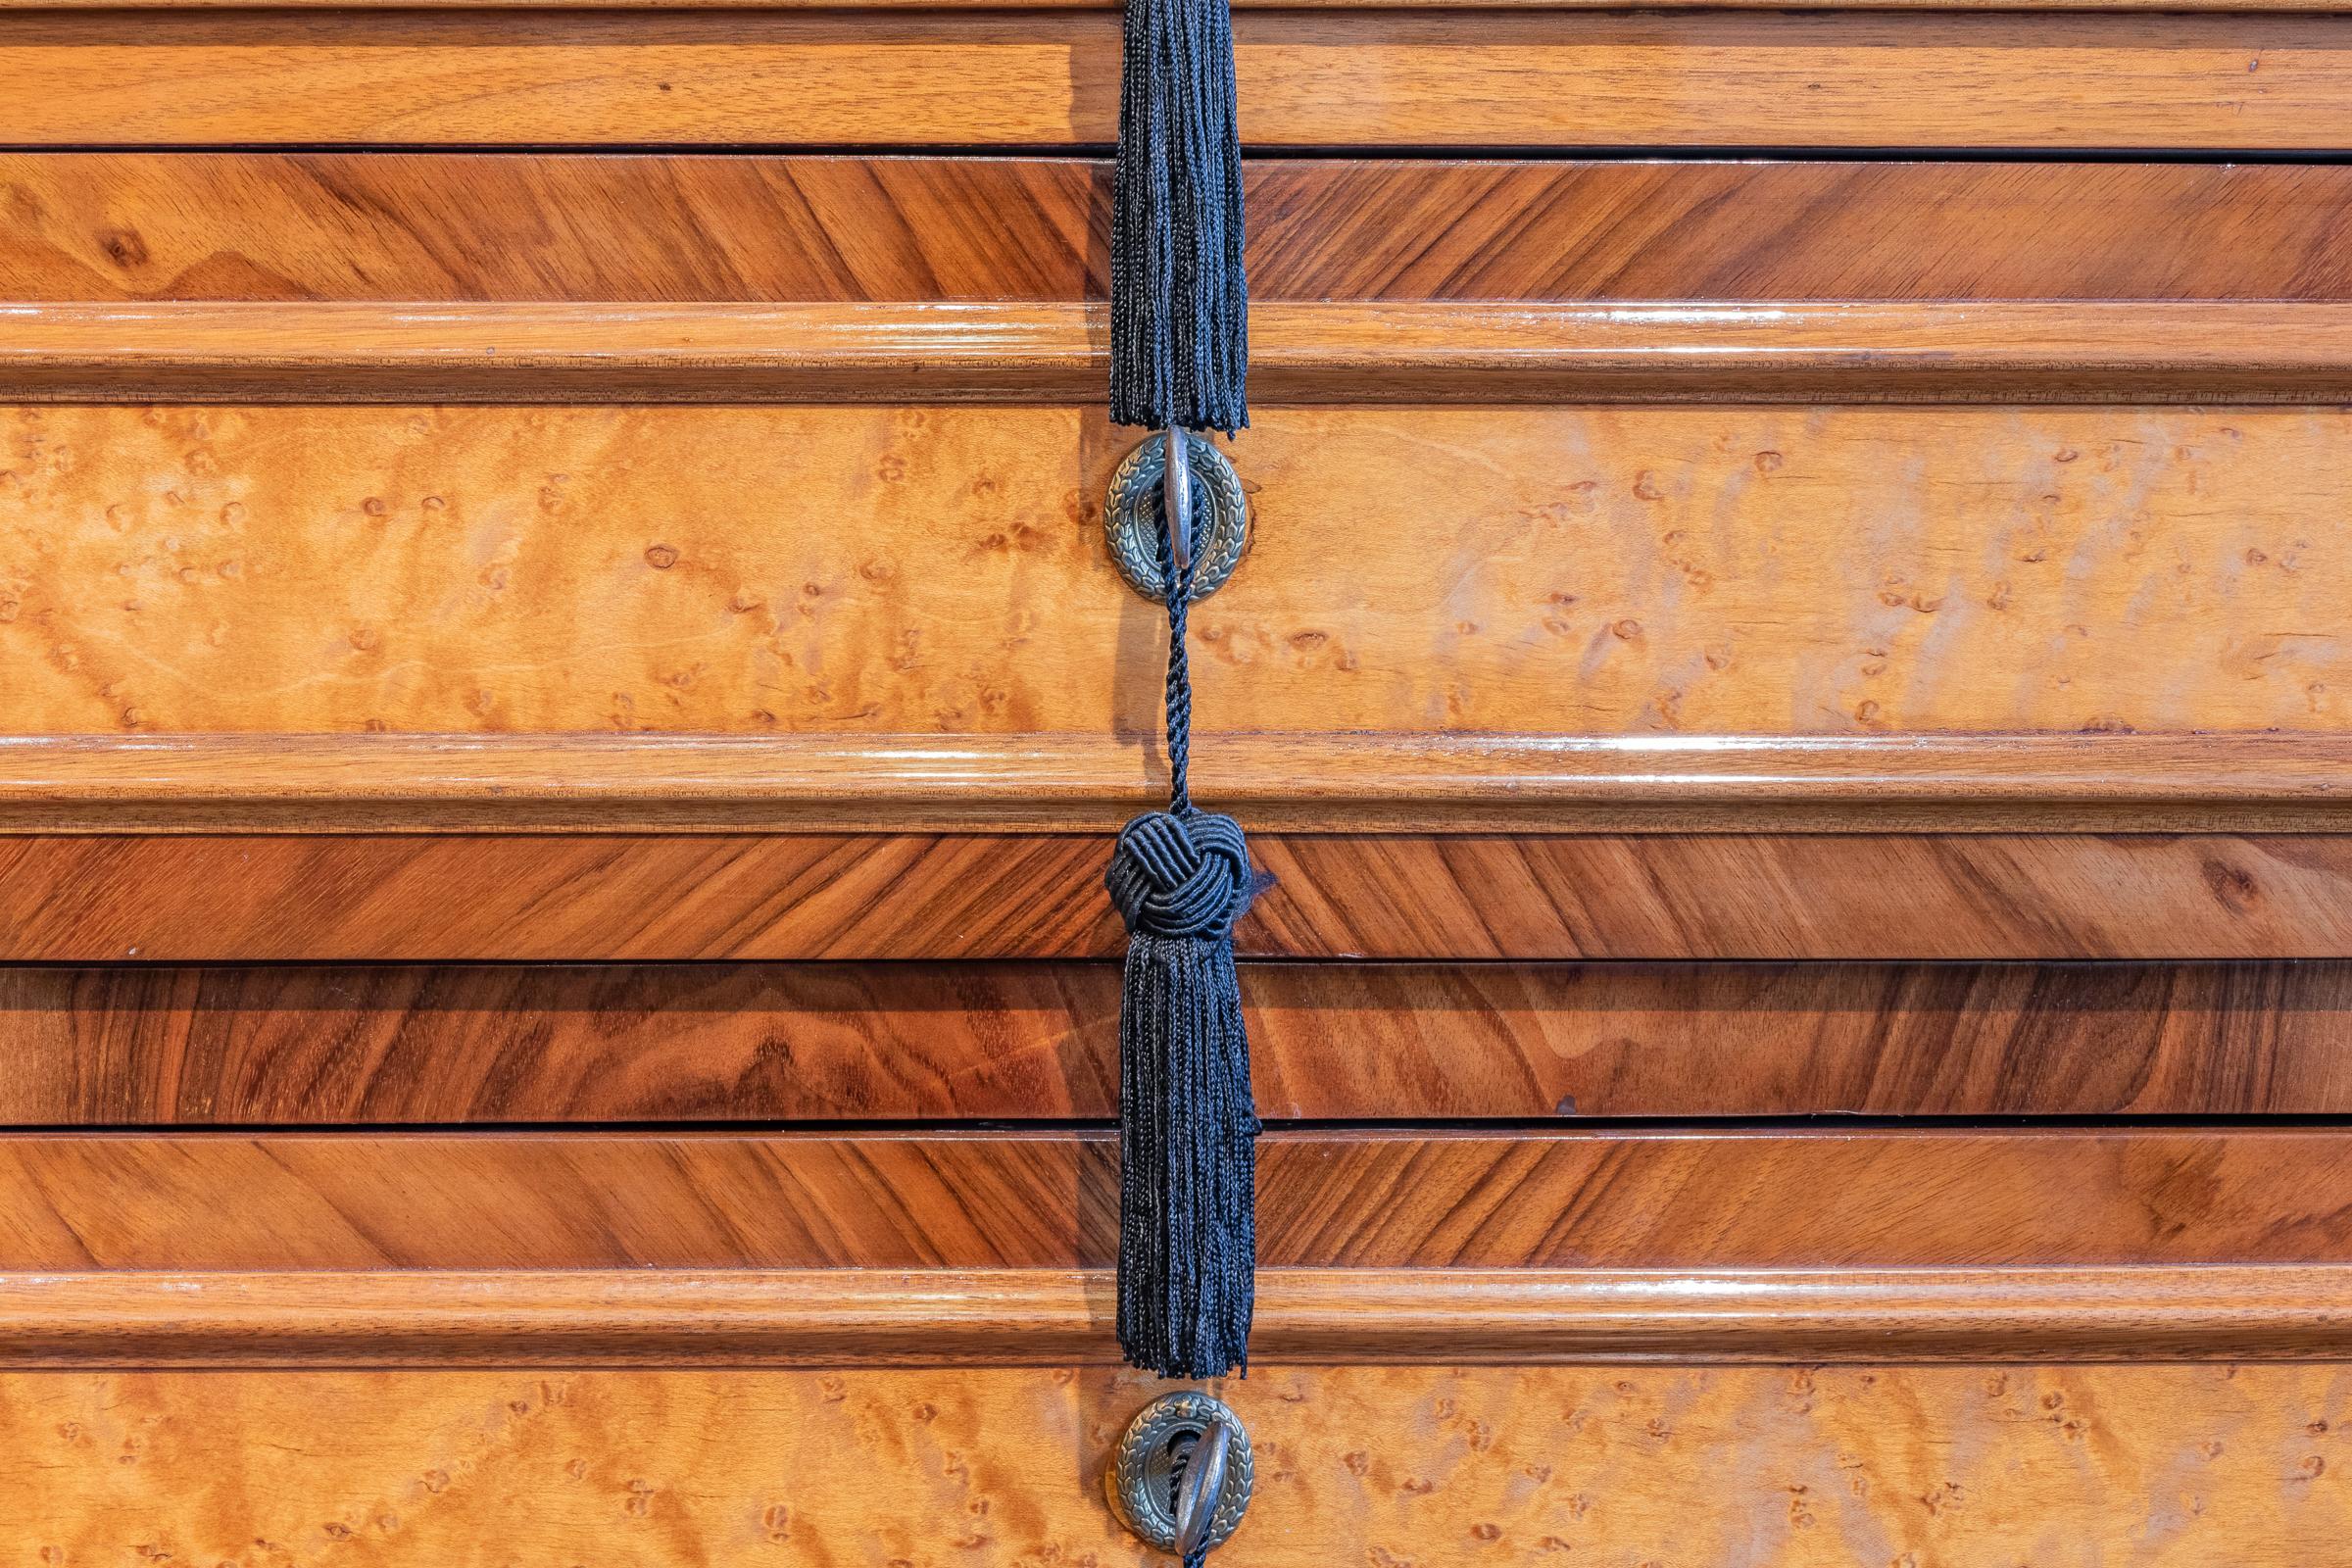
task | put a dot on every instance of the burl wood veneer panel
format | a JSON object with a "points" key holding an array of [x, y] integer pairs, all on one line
{"points": [[285, 1045], [1957, 1467], [588, 897], [801, 569], [1767, 1198], [509, 227], [1473, 79]]}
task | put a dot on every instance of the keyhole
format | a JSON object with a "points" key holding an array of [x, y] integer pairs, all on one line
{"points": [[1181, 1448]]}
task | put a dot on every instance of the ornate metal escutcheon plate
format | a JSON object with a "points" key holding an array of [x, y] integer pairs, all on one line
{"points": [[1131, 516], [1146, 1470]]}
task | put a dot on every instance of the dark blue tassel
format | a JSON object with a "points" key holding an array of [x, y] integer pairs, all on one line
{"points": [[1179, 302], [1180, 359], [1188, 1129]]}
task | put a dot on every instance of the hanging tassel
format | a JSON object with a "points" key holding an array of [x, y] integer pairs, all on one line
{"points": [[1179, 361], [1188, 1129], [1179, 302]]}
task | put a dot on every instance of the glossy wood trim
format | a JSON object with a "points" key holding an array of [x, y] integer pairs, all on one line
{"points": [[1503, 79], [1060, 783], [382, 1045], [553, 897], [1062, 1317], [1390, 352]]}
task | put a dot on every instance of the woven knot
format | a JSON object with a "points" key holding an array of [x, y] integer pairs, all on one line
{"points": [[1181, 876]]}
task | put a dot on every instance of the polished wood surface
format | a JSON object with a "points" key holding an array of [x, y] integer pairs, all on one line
{"points": [[501, 750], [554, 898], [2162, 1467], [1357, 1198], [393, 226], [1488, 80], [962, 1319], [1540, 570], [381, 1044], [1378, 352]]}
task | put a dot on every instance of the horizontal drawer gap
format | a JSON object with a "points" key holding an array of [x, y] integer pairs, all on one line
{"points": [[993, 6], [1430, 1128]]}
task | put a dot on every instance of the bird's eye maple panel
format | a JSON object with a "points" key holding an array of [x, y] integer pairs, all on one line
{"points": [[1808, 1468], [1564, 570]]}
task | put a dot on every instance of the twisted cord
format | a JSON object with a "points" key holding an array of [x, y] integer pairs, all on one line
{"points": [[1178, 586]]}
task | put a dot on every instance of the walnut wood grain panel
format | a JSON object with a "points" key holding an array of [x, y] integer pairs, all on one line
{"points": [[396, 226], [1005, 1042], [1554, 571], [1874, 1199], [2165, 1467], [553, 897], [1349, 352], [964, 1319], [1481, 79]]}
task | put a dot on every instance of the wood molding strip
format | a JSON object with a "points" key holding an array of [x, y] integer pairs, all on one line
{"points": [[1508, 79], [1061, 1317], [1059, 783], [1394, 352]]}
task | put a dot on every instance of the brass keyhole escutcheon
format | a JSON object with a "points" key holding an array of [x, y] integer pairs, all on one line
{"points": [[1147, 1473], [1133, 510]]}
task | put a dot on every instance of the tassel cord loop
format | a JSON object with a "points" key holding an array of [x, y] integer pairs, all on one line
{"points": [[1188, 1169]]}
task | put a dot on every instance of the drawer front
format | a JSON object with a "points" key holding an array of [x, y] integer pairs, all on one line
{"points": [[281, 1046], [1581, 571], [482, 227], [1419, 1198], [2154, 1465], [341, 896]]}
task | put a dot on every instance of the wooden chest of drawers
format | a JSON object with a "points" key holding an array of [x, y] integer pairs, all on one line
{"points": [[564, 703]]}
